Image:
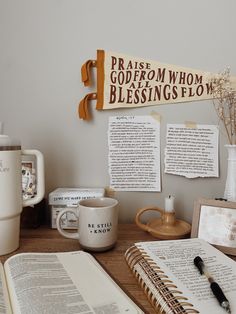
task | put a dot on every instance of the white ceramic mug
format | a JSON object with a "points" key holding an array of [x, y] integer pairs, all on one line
{"points": [[11, 201], [97, 223]]}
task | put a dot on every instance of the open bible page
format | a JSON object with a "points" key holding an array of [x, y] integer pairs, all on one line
{"points": [[5, 307], [63, 283], [41, 282], [176, 257]]}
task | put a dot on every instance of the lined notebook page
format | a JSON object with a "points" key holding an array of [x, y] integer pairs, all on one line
{"points": [[175, 258]]}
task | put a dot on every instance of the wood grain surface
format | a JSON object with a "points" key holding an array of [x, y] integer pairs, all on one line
{"points": [[45, 239]]}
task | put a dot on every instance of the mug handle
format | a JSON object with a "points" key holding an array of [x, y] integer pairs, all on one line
{"points": [[140, 212], [70, 235], [40, 177]]}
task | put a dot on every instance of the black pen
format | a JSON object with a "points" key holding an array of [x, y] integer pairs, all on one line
{"points": [[215, 288]]}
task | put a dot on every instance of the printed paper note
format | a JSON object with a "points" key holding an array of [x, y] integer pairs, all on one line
{"points": [[134, 153], [192, 151]]}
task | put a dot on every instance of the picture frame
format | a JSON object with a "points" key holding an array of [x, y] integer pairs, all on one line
{"points": [[215, 222]]}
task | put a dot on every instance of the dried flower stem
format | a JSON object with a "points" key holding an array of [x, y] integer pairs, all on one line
{"points": [[224, 99]]}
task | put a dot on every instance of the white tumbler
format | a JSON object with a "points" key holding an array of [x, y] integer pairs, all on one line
{"points": [[11, 201]]}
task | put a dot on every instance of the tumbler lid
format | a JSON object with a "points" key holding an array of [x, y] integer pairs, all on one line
{"points": [[6, 142]]}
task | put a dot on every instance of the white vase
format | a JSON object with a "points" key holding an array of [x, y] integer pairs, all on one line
{"points": [[230, 185]]}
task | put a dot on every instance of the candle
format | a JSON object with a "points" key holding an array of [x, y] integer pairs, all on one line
{"points": [[169, 204]]}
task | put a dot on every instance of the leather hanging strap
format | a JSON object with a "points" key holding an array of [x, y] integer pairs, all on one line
{"points": [[86, 73], [83, 106]]}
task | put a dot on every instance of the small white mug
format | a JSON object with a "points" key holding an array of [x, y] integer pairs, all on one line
{"points": [[97, 223]]}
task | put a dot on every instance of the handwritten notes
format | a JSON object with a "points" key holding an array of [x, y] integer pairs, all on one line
{"points": [[192, 151], [175, 258], [134, 153]]}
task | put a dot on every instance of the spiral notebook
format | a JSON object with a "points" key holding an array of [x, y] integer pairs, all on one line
{"points": [[173, 285]]}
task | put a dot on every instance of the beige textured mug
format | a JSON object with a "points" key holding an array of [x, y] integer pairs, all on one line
{"points": [[97, 223]]}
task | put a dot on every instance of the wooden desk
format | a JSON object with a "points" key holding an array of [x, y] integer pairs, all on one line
{"points": [[44, 239]]}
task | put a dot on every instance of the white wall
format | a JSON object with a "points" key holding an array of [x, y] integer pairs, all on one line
{"points": [[42, 47]]}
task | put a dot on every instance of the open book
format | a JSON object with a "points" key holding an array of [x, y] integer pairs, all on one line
{"points": [[72, 282], [173, 284]]}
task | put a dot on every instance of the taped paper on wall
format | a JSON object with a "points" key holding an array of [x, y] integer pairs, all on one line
{"points": [[134, 153], [192, 151]]}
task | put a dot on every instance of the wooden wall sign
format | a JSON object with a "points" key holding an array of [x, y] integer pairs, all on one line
{"points": [[124, 82]]}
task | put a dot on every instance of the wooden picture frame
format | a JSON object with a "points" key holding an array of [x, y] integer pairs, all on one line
{"points": [[215, 222]]}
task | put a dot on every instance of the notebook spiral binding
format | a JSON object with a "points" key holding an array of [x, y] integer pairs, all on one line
{"points": [[165, 299]]}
